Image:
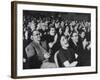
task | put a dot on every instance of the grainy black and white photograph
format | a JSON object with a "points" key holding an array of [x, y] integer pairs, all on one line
{"points": [[56, 39], [53, 39]]}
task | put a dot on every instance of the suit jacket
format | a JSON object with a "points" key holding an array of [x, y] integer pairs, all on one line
{"points": [[74, 47], [35, 48], [35, 54]]}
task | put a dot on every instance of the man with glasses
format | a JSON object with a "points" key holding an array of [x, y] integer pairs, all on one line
{"points": [[74, 43], [81, 54], [36, 51]]}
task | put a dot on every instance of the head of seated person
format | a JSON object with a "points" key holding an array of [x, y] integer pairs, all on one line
{"points": [[74, 36], [82, 34], [36, 36], [64, 42], [52, 31]]}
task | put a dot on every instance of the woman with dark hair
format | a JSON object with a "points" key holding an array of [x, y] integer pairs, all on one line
{"points": [[66, 55], [66, 31], [52, 42]]}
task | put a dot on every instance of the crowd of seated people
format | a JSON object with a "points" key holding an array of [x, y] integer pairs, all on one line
{"points": [[43, 37]]}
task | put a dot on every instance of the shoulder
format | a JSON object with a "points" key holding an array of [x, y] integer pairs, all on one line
{"points": [[60, 52], [30, 45], [71, 50], [70, 42]]}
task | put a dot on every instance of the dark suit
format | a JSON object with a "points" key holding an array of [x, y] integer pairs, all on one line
{"points": [[77, 49], [83, 54]]}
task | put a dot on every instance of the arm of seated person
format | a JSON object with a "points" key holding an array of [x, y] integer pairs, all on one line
{"points": [[29, 51], [24, 60], [68, 64], [51, 44], [76, 55], [46, 55], [55, 40]]}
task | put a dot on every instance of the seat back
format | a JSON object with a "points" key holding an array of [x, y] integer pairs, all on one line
{"points": [[55, 59]]}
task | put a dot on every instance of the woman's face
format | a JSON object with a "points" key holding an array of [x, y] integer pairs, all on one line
{"points": [[66, 31], [75, 37], [64, 42], [52, 31], [82, 34]]}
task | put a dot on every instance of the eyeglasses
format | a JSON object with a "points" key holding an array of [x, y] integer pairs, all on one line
{"points": [[75, 36], [37, 34]]}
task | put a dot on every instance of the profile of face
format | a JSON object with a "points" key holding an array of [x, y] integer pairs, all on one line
{"points": [[26, 34], [43, 25], [60, 30], [52, 31], [66, 31], [64, 42], [31, 25], [82, 34], [75, 37], [36, 36]]}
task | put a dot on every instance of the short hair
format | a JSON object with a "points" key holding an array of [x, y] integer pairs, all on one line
{"points": [[34, 31], [52, 27], [81, 30], [71, 35], [67, 37]]}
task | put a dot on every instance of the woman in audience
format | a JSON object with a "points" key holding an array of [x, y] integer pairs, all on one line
{"points": [[66, 55]]}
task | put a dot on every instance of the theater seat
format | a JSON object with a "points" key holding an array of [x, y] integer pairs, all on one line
{"points": [[55, 59]]}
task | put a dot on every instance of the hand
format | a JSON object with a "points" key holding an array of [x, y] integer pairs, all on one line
{"points": [[74, 63], [24, 60], [89, 47], [51, 45], [46, 55], [55, 38], [85, 43], [76, 55]]}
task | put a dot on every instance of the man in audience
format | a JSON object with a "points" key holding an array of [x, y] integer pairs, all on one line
{"points": [[36, 51]]}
